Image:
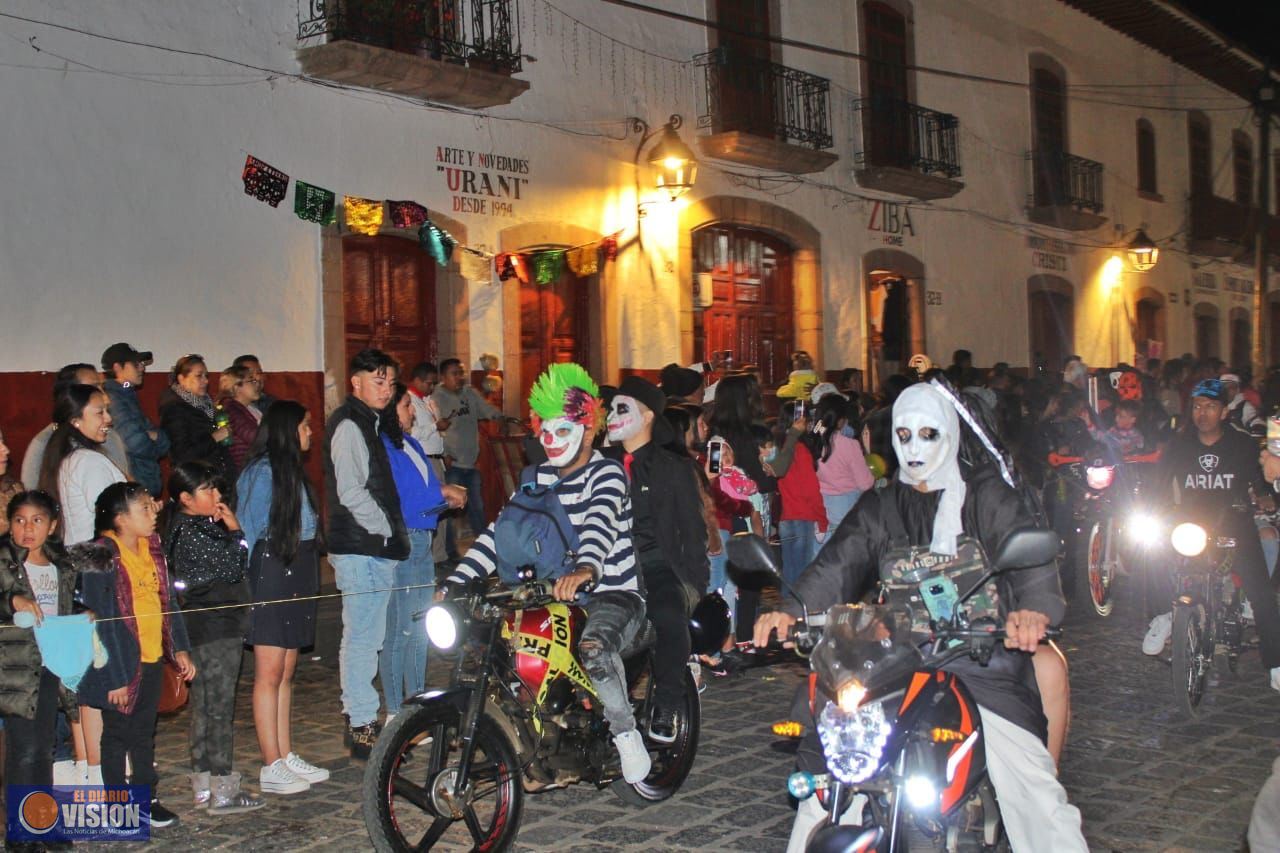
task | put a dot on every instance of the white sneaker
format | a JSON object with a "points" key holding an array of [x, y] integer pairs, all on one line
{"points": [[82, 773], [64, 773], [1275, 678], [93, 775], [1246, 609], [1158, 634], [635, 758], [305, 770], [277, 778]]}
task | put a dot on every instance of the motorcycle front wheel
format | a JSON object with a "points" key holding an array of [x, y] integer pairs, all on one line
{"points": [[409, 782], [1100, 561], [1191, 654], [671, 761]]}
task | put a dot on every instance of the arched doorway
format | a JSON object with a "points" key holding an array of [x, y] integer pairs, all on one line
{"points": [[750, 312], [1205, 316], [1149, 324], [388, 298], [1241, 332], [1051, 324], [894, 290]]}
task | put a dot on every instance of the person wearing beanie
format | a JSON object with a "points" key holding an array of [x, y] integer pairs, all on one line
{"points": [[669, 535]]}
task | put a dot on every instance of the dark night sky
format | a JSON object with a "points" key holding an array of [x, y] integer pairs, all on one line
{"points": [[1254, 23]]}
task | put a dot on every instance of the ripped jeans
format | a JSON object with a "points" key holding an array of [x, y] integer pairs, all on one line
{"points": [[613, 618]]}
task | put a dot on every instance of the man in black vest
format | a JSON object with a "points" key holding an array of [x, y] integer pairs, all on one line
{"points": [[669, 535], [366, 536]]}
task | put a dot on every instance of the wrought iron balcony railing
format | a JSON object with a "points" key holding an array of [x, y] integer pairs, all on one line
{"points": [[902, 135], [482, 33], [1060, 179], [762, 98]]}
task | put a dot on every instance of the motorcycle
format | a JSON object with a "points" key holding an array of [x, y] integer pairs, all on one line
{"points": [[1109, 523], [1209, 618], [520, 715], [901, 736]]}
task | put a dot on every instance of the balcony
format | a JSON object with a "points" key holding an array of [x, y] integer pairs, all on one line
{"points": [[458, 52], [763, 114], [907, 149], [1066, 191], [1219, 228]]}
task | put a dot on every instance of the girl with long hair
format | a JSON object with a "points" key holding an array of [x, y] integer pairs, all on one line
{"points": [[75, 468], [843, 474], [207, 556], [277, 512]]}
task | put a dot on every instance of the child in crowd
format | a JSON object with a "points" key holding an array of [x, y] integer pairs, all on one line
{"points": [[129, 591], [1124, 436], [803, 520], [207, 554], [37, 578]]}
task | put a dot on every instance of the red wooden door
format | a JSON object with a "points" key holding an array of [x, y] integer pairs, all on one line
{"points": [[888, 124], [554, 328], [1049, 105], [745, 86], [388, 290], [751, 312]]}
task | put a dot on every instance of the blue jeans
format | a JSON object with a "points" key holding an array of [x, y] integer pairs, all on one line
{"points": [[365, 583], [402, 664], [799, 547], [720, 579], [468, 478], [838, 507]]}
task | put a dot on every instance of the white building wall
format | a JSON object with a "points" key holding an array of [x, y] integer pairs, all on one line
{"points": [[127, 218]]}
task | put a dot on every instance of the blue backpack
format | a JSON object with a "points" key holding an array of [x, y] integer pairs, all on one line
{"points": [[533, 531]]}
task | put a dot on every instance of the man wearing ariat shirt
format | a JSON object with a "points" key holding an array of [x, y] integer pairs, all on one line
{"points": [[1212, 467], [669, 533]]}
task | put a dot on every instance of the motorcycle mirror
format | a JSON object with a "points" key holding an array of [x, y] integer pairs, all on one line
{"points": [[751, 555], [1026, 548]]}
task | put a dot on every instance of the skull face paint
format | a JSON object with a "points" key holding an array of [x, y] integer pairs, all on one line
{"points": [[922, 447], [561, 438], [626, 418]]}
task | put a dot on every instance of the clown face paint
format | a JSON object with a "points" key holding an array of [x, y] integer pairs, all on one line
{"points": [[561, 439], [626, 418], [921, 445]]}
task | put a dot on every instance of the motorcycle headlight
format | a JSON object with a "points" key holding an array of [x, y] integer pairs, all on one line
{"points": [[1189, 539], [850, 696], [442, 625], [1144, 528], [1101, 477], [853, 741]]}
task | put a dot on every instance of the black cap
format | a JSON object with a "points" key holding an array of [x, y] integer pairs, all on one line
{"points": [[123, 353], [678, 381], [641, 389]]}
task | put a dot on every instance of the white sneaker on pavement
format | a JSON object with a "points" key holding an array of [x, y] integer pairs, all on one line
{"points": [[64, 773], [1275, 678], [305, 770], [277, 778], [1158, 634], [635, 757]]}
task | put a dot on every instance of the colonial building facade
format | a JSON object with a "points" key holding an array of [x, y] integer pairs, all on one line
{"points": [[875, 179]]}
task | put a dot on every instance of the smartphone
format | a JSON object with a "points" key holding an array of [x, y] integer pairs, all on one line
{"points": [[715, 449], [799, 412]]}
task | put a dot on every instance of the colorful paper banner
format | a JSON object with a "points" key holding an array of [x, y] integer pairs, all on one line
{"points": [[314, 204], [264, 182], [407, 214], [364, 216]]}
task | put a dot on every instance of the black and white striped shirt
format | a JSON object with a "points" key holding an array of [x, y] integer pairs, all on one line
{"points": [[598, 504]]}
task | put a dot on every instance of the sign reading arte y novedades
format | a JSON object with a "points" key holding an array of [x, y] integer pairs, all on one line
{"points": [[481, 182]]}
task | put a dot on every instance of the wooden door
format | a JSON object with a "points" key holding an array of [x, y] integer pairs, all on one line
{"points": [[1048, 98], [751, 312], [1241, 341], [388, 289], [1200, 155], [887, 121], [554, 328], [1273, 336], [744, 85], [1052, 326]]}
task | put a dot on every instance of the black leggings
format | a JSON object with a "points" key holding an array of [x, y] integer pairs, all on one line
{"points": [[28, 758], [133, 734]]}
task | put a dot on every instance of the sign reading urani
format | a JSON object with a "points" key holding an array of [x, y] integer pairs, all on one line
{"points": [[481, 182]]}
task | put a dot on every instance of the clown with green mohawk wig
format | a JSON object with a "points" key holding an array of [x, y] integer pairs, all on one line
{"points": [[566, 411]]}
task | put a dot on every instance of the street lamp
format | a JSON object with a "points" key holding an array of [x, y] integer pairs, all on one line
{"points": [[1143, 252], [674, 165]]}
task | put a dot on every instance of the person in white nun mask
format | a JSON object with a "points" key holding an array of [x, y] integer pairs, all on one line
{"points": [[931, 504]]}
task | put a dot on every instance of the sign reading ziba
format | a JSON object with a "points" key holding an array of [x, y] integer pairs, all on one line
{"points": [[481, 182]]}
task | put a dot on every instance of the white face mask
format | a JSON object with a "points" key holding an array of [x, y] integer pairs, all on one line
{"points": [[625, 418], [921, 445], [561, 439]]}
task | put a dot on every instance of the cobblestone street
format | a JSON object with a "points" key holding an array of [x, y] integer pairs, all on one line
{"points": [[1145, 779]]}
